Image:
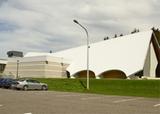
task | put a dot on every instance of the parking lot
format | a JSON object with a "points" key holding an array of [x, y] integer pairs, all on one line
{"points": [[51, 102]]}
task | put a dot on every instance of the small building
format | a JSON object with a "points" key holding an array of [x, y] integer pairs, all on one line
{"points": [[37, 67]]}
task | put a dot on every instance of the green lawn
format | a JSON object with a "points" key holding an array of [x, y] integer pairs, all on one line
{"points": [[141, 88]]}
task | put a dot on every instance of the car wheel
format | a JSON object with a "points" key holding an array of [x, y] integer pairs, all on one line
{"points": [[44, 87], [25, 88]]}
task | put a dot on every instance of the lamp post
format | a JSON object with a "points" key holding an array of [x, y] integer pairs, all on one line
{"points": [[17, 69], [75, 21]]}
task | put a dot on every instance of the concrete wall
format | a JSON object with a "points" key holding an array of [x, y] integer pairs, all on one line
{"points": [[58, 70], [153, 62], [150, 63], [146, 69]]}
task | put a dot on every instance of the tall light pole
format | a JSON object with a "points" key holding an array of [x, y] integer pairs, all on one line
{"points": [[17, 74], [87, 51]]}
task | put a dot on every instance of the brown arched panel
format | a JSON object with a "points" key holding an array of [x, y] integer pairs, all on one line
{"points": [[68, 74], [158, 71], [113, 74], [83, 74]]}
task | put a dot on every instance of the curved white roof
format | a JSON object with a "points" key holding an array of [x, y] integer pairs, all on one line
{"points": [[126, 53]]}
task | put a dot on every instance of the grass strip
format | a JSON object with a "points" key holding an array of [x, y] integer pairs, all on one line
{"points": [[140, 88]]}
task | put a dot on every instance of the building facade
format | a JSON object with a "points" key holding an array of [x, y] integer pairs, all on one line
{"points": [[123, 57]]}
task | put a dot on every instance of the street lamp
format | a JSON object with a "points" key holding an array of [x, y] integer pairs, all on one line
{"points": [[75, 21], [17, 75]]}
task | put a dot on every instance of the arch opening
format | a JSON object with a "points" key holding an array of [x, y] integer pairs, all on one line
{"points": [[68, 74], [158, 71], [83, 74], [115, 74], [2, 67]]}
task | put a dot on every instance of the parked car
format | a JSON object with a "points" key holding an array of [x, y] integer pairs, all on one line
{"points": [[7, 82], [1, 81], [29, 84]]}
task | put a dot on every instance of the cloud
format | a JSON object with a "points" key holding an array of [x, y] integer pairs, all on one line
{"points": [[43, 25]]}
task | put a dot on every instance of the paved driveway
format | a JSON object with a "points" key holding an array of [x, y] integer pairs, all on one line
{"points": [[50, 102]]}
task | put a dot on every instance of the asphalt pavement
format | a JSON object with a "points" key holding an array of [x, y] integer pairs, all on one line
{"points": [[51, 102]]}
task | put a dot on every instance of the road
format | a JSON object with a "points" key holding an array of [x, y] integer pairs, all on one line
{"points": [[51, 102]]}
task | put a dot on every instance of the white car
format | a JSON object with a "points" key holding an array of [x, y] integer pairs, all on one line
{"points": [[29, 84]]}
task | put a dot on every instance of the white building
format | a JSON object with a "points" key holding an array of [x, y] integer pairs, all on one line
{"points": [[45, 66], [121, 57]]}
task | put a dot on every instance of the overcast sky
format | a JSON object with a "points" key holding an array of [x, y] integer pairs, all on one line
{"points": [[44, 25]]}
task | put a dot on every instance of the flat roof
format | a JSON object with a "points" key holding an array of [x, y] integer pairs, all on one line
{"points": [[3, 61]]}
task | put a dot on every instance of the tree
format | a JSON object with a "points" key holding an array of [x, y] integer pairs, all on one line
{"points": [[115, 36], [121, 34], [106, 38]]}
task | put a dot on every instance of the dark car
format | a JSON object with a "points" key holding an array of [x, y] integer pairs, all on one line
{"points": [[1, 81], [7, 82]]}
